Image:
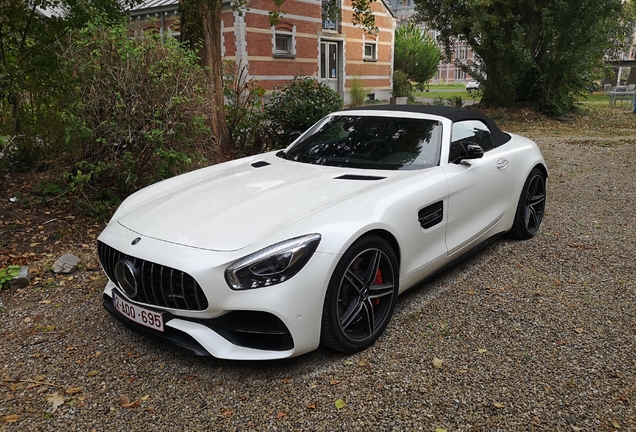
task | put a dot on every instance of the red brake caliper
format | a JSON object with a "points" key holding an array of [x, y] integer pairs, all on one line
{"points": [[377, 281]]}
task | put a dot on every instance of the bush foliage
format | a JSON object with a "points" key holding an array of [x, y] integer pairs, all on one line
{"points": [[297, 106], [139, 96], [402, 86]]}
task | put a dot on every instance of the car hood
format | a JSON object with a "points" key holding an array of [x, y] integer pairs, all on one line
{"points": [[228, 207]]}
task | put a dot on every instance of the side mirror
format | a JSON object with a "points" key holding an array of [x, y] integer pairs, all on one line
{"points": [[473, 151], [467, 150], [293, 135]]}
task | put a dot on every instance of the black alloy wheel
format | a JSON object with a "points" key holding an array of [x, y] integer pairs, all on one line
{"points": [[361, 295], [531, 206]]}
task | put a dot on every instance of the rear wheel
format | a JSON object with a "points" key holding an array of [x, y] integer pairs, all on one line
{"points": [[531, 206], [361, 295]]}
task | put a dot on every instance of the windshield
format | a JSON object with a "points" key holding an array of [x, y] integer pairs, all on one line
{"points": [[370, 142]]}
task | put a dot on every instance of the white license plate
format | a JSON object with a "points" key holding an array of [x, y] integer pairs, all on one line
{"points": [[140, 315]]}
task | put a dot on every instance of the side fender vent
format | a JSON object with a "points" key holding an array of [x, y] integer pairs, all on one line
{"points": [[260, 164], [358, 177], [431, 215]]}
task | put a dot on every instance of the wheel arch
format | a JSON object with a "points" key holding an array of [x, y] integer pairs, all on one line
{"points": [[541, 167], [390, 239]]}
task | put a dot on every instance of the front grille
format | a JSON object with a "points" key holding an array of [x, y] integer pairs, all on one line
{"points": [[159, 285]]}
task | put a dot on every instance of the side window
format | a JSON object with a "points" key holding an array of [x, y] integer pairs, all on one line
{"points": [[469, 130]]}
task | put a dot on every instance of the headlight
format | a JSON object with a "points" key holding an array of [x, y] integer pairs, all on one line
{"points": [[272, 265]]}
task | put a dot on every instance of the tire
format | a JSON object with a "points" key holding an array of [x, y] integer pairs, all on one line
{"points": [[531, 206], [361, 296]]}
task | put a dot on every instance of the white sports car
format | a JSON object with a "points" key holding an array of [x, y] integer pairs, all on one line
{"points": [[269, 256]]}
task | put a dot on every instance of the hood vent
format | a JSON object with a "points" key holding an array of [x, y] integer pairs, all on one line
{"points": [[358, 177], [260, 164]]}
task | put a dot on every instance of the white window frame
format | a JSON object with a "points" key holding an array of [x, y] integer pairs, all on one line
{"points": [[373, 44], [374, 51], [290, 52]]}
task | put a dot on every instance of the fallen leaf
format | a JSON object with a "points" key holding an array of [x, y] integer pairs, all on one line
{"points": [[438, 363], [348, 362], [616, 424], [149, 409], [55, 400], [313, 386], [280, 414], [227, 412], [11, 418], [575, 428], [498, 405], [46, 301], [125, 402], [340, 404], [73, 390], [482, 350], [145, 398], [311, 406], [333, 381], [578, 330], [440, 430], [362, 363], [134, 404], [92, 373], [288, 381]]}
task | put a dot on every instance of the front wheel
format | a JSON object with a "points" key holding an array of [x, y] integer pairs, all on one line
{"points": [[361, 295], [531, 206]]}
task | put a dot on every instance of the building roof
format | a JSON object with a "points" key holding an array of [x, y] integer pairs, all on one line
{"points": [[152, 6], [148, 4]]}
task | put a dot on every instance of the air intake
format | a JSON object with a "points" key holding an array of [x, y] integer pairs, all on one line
{"points": [[359, 177]]}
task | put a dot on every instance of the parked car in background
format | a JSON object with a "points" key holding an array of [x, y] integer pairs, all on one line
{"points": [[472, 85]]}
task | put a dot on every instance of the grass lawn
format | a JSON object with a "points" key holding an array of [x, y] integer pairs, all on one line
{"points": [[596, 99]]}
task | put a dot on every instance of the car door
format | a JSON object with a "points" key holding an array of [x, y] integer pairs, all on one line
{"points": [[479, 189]]}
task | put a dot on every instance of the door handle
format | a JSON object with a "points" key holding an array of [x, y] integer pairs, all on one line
{"points": [[502, 163]]}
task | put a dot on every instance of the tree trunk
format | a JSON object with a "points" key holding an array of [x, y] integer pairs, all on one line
{"points": [[202, 23]]}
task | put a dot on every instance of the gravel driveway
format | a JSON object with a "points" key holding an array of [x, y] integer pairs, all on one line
{"points": [[534, 335]]}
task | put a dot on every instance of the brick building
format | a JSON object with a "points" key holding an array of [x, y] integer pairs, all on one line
{"points": [[304, 43]]}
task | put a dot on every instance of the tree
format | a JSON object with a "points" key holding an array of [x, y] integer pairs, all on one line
{"points": [[31, 32], [201, 27], [415, 53], [539, 52]]}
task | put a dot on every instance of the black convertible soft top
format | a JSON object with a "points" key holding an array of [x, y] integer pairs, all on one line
{"points": [[454, 114]]}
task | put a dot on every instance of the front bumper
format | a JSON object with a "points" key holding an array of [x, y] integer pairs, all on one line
{"points": [[273, 322]]}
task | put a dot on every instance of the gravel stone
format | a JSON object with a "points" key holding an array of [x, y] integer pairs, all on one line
{"points": [[534, 335]]}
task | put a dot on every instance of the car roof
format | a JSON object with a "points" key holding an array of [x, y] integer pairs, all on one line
{"points": [[454, 114]]}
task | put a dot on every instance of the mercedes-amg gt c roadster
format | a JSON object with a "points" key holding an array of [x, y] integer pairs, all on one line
{"points": [[272, 255]]}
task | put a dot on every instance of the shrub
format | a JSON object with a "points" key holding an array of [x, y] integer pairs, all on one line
{"points": [[358, 93], [135, 103], [297, 106], [244, 110], [401, 84]]}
